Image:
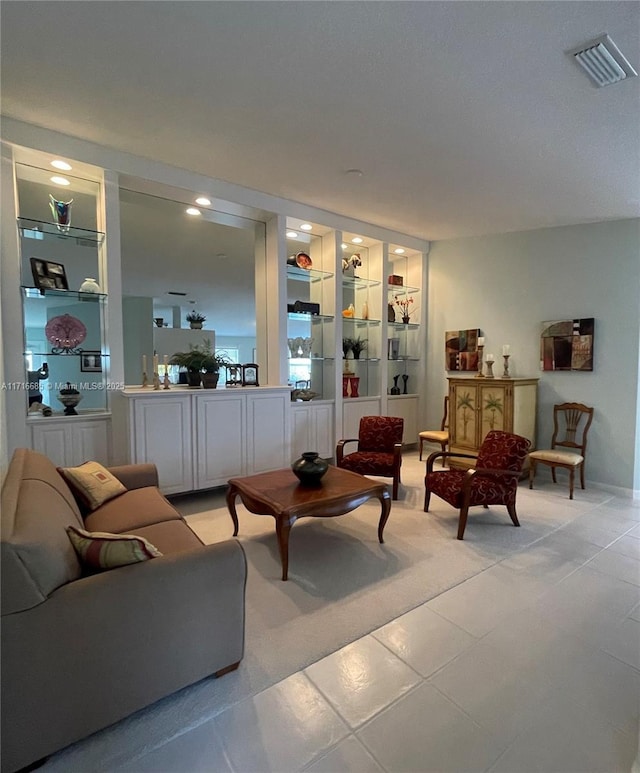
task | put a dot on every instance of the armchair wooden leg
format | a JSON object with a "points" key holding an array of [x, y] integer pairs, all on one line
{"points": [[427, 497], [572, 474], [512, 513], [396, 479], [462, 523], [532, 472]]}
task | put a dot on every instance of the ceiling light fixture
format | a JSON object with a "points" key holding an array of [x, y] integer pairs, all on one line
{"points": [[603, 61], [203, 201], [193, 211], [399, 251], [60, 180], [357, 240], [344, 246], [292, 235], [60, 164], [306, 227], [354, 172]]}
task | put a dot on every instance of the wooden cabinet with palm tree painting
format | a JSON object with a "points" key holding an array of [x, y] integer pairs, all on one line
{"points": [[477, 405]]}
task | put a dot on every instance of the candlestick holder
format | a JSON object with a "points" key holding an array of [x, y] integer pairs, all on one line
{"points": [[505, 373], [156, 381], [166, 381], [480, 374], [145, 380], [489, 369]]}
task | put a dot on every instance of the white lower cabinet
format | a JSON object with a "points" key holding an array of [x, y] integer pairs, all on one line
{"points": [[354, 410], [71, 441], [312, 429], [198, 439]]}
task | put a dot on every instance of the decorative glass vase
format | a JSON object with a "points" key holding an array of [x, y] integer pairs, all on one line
{"points": [[310, 468], [61, 212]]}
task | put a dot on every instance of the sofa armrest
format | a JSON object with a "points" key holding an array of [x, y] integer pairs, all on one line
{"points": [[135, 476]]}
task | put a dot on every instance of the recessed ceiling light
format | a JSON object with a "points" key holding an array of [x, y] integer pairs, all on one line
{"points": [[354, 172], [59, 164], [399, 251], [357, 240], [203, 201], [193, 211], [292, 235], [306, 227], [221, 255], [60, 180], [344, 246]]}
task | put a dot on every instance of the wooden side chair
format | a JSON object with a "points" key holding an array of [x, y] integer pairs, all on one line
{"points": [[493, 481], [379, 449], [571, 422], [441, 435]]}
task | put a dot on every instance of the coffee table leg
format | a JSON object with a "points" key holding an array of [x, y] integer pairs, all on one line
{"points": [[283, 527], [232, 493], [385, 501]]}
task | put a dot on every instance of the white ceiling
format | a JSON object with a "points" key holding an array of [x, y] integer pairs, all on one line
{"points": [[465, 117]]}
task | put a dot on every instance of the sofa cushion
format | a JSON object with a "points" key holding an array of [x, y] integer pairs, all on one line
{"points": [[131, 511], [171, 536], [92, 483], [37, 556], [100, 550]]}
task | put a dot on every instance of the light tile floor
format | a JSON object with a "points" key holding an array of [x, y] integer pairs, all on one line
{"points": [[533, 665]]}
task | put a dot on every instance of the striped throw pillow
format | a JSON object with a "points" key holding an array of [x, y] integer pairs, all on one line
{"points": [[100, 550]]}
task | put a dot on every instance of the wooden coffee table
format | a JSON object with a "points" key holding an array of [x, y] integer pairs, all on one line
{"points": [[280, 494]]}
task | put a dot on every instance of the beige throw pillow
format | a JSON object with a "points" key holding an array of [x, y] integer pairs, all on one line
{"points": [[100, 550], [93, 483]]}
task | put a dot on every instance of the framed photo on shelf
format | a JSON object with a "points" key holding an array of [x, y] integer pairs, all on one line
{"points": [[91, 362], [250, 374], [48, 275]]}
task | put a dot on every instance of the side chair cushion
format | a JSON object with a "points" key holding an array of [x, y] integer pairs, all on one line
{"points": [[369, 463], [435, 435], [379, 433], [557, 457]]}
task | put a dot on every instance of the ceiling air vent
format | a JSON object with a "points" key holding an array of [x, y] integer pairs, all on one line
{"points": [[603, 61]]}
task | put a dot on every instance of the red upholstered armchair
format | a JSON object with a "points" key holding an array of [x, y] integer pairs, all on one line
{"points": [[493, 481], [379, 449]]}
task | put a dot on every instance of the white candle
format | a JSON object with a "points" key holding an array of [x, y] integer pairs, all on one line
{"points": [[506, 349], [144, 363], [480, 341], [155, 363], [166, 362], [490, 358]]}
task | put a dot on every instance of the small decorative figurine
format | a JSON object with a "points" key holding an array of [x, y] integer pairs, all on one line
{"points": [[61, 212]]}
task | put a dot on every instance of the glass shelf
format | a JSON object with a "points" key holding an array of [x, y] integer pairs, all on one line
{"points": [[404, 326], [358, 282], [307, 274], [402, 358], [77, 352], [306, 316], [351, 360], [74, 295], [404, 289], [40, 229], [360, 322]]}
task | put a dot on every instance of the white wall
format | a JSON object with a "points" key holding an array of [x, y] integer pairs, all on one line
{"points": [[508, 284]]}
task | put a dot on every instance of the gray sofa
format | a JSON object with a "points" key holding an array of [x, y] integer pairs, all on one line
{"points": [[79, 651]]}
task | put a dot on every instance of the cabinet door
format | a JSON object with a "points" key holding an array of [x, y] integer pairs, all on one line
{"points": [[494, 408], [322, 418], [269, 443], [353, 411], [54, 441], [162, 435], [219, 427], [463, 410], [301, 431], [90, 442]]}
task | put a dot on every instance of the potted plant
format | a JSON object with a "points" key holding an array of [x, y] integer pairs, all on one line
{"points": [[358, 345], [201, 363], [346, 347], [195, 320]]}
